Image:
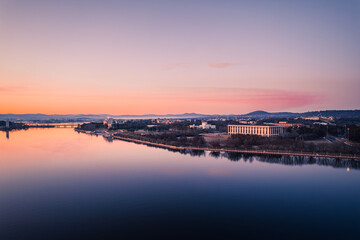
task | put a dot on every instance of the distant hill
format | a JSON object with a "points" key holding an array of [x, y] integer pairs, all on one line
{"points": [[333, 113], [96, 117], [91, 117], [263, 114], [326, 113]]}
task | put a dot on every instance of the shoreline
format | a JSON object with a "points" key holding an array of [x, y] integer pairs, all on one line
{"points": [[262, 152]]}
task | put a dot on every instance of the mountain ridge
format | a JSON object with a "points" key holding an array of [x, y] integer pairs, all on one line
{"points": [[254, 114]]}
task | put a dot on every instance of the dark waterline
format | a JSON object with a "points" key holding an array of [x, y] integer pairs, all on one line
{"points": [[58, 184]]}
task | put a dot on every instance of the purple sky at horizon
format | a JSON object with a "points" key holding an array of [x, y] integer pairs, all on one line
{"points": [[140, 57]]}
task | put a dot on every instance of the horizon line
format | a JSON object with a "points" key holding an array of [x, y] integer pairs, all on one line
{"points": [[176, 113]]}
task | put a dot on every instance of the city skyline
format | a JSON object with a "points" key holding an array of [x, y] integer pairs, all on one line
{"points": [[161, 57]]}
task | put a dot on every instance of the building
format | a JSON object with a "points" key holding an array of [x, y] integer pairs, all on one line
{"points": [[265, 131], [109, 122], [312, 118], [204, 125], [246, 121], [7, 125], [285, 124]]}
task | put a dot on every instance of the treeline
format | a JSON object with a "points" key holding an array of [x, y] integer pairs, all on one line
{"points": [[90, 126], [12, 125], [354, 133], [315, 132], [133, 125], [175, 139], [284, 144]]}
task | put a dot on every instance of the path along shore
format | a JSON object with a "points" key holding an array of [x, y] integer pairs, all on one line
{"points": [[264, 152]]}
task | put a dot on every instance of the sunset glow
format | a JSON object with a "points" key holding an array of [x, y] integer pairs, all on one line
{"points": [[159, 57]]}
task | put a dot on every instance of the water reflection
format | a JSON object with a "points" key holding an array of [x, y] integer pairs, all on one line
{"points": [[277, 159], [57, 184], [215, 154], [108, 139]]}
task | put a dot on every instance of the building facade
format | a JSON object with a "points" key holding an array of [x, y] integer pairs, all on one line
{"points": [[285, 124], [204, 125], [265, 131], [109, 122]]}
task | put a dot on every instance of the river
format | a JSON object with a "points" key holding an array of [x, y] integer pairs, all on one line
{"points": [[59, 184]]}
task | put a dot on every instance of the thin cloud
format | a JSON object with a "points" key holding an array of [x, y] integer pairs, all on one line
{"points": [[174, 65], [11, 88], [221, 64], [259, 98], [165, 100]]}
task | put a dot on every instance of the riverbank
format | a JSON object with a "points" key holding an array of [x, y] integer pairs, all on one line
{"points": [[261, 152]]}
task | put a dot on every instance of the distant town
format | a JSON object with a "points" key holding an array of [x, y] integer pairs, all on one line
{"points": [[316, 133]]}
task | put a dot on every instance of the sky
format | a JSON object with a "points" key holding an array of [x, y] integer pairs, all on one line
{"points": [[169, 57]]}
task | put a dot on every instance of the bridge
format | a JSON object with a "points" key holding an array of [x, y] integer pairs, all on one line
{"points": [[55, 125]]}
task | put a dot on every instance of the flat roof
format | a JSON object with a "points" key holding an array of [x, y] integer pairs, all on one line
{"points": [[249, 125]]}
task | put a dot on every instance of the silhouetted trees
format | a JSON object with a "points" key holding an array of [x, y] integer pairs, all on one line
{"points": [[90, 126], [354, 133], [286, 144]]}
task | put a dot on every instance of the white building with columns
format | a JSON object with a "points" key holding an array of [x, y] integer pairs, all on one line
{"points": [[265, 131]]}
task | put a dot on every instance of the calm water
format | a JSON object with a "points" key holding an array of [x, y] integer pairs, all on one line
{"points": [[58, 184]]}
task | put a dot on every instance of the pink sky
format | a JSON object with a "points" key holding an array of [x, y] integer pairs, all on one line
{"points": [[174, 57]]}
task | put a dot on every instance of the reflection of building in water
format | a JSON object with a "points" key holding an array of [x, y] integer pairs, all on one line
{"points": [[7, 134], [266, 131], [108, 139]]}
